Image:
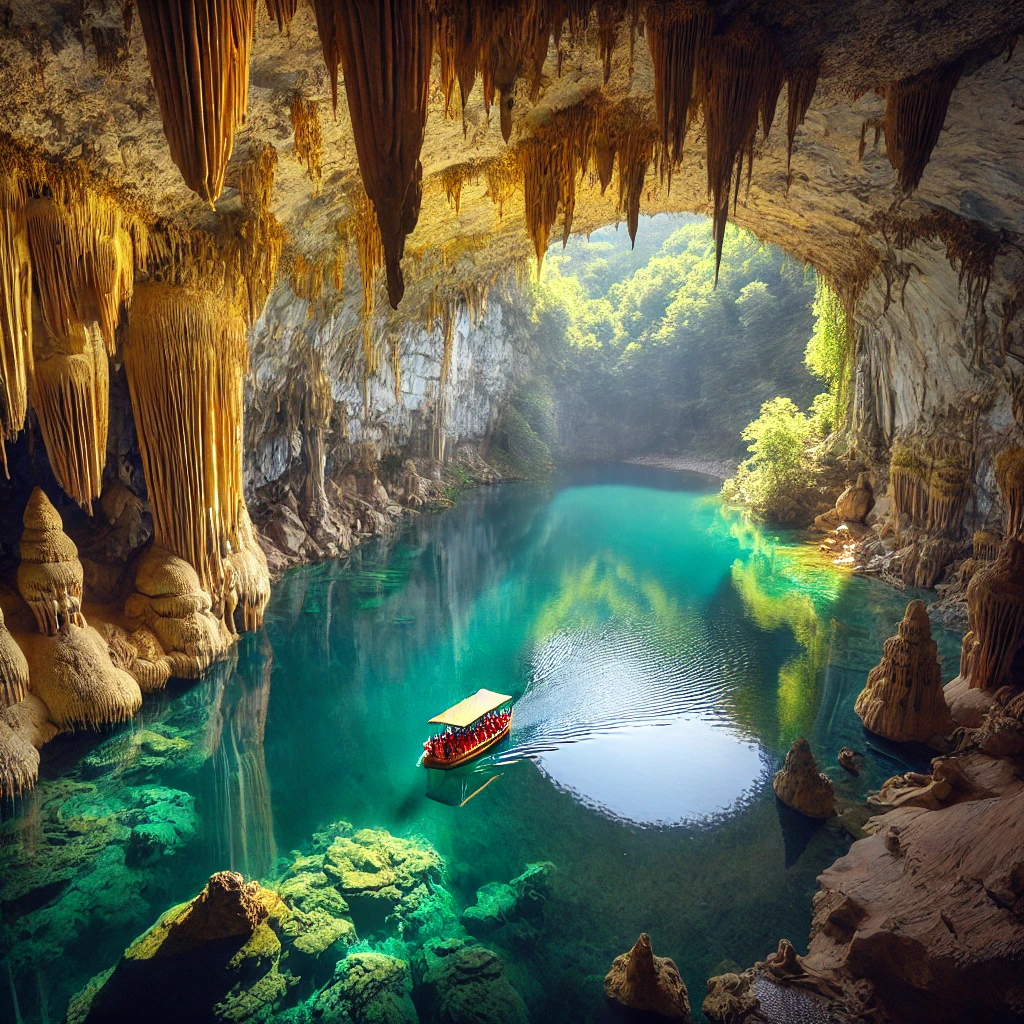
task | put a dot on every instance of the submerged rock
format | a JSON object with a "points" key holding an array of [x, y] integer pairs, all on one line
{"points": [[640, 980], [801, 786], [464, 984], [320, 915], [367, 988], [519, 902], [731, 999], [214, 959]]}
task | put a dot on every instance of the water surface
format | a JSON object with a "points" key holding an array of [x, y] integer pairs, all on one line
{"points": [[663, 653]]}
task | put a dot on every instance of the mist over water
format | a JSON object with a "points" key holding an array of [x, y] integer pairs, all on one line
{"points": [[663, 653]]}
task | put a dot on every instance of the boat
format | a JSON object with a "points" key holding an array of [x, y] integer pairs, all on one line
{"points": [[463, 716]]}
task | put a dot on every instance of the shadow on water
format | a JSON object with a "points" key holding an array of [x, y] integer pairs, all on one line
{"points": [[663, 653]]}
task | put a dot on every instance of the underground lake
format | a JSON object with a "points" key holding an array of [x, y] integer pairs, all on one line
{"points": [[663, 652]]}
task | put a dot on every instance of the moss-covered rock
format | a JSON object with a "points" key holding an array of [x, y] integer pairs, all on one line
{"points": [[367, 988]]}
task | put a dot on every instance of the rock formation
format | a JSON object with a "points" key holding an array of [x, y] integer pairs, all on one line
{"points": [[1009, 469], [13, 668], [854, 504], [639, 980], [902, 699], [50, 574], [520, 903], [367, 987], [801, 786]]}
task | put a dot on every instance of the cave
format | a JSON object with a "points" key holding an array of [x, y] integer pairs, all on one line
{"points": [[644, 379]]}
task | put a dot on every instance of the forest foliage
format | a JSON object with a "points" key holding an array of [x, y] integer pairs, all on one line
{"points": [[641, 353]]}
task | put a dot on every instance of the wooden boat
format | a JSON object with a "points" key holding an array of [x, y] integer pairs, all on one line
{"points": [[465, 715]]}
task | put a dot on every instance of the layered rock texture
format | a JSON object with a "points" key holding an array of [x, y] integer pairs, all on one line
{"points": [[902, 699], [639, 980], [799, 784]]}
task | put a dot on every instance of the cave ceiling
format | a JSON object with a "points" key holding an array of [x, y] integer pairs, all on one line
{"points": [[78, 88]]}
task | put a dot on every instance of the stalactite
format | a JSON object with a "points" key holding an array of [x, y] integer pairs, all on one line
{"points": [[449, 316], [995, 618], [385, 50], [71, 398], [915, 109], [679, 38], [199, 60], [801, 84], [13, 668], [948, 492], [742, 68], [985, 545], [395, 348], [282, 11], [185, 357], [83, 258], [635, 147], [502, 176], [908, 474], [50, 575], [15, 306], [19, 766], [453, 177], [459, 48], [1009, 466], [307, 278], [309, 137], [607, 29]]}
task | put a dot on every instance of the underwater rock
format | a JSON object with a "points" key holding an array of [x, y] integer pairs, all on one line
{"points": [[161, 821], [520, 901], [50, 575], [212, 960], [319, 914], [801, 786], [848, 760], [731, 999], [464, 984], [137, 752], [367, 988], [79, 684], [642, 981], [380, 875], [902, 699]]}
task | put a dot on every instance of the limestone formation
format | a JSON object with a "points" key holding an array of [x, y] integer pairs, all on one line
{"points": [[24, 727], [80, 685], [848, 760], [458, 982], [50, 574], [370, 987], [731, 999], [639, 980], [854, 504], [995, 619], [985, 545], [902, 699], [13, 668], [215, 958], [801, 786], [170, 600], [1009, 467]]}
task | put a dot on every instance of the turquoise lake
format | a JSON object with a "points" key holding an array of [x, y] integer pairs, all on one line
{"points": [[663, 652]]}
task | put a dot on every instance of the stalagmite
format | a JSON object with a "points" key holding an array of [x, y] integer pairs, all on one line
{"points": [[19, 759], [648, 984], [309, 137], [140, 655], [908, 475], [385, 50], [915, 109], [81, 687], [1009, 468], [15, 306], [250, 571], [742, 71], [185, 356], [50, 574], [948, 491], [679, 38], [171, 602], [199, 59], [13, 668], [902, 699], [71, 396], [995, 619], [799, 784]]}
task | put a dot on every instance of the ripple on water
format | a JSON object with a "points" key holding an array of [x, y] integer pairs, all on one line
{"points": [[629, 721]]}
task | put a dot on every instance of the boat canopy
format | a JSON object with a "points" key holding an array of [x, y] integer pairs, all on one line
{"points": [[467, 711]]}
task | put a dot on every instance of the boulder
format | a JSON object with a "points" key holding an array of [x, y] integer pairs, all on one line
{"points": [[520, 901], [639, 980], [367, 988], [902, 699], [801, 786], [731, 999], [857, 501]]}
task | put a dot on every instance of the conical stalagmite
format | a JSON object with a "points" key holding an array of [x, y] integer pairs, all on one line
{"points": [[384, 48], [915, 109], [50, 574], [15, 307], [199, 59], [903, 699], [13, 668], [799, 784]]}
